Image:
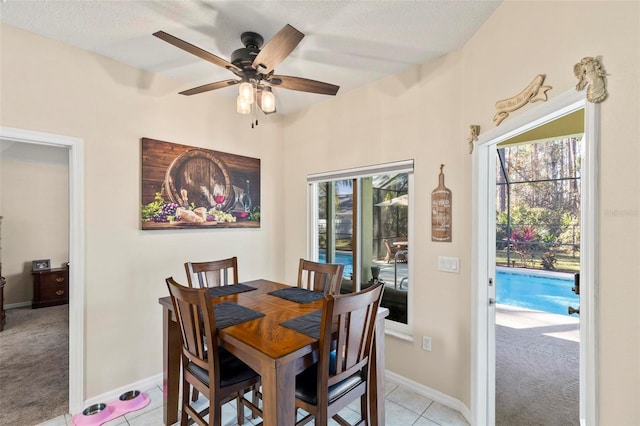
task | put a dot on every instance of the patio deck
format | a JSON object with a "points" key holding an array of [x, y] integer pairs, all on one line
{"points": [[537, 367], [387, 274]]}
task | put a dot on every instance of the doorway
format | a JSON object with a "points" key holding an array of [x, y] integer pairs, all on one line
{"points": [[483, 254], [538, 259], [76, 250]]}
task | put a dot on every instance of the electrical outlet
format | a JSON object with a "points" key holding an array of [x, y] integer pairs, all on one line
{"points": [[426, 343]]}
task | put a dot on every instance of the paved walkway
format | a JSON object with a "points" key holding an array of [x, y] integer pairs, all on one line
{"points": [[565, 327], [537, 368]]}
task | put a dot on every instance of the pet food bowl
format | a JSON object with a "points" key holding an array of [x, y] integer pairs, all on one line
{"points": [[128, 396], [95, 414], [94, 409], [131, 401]]}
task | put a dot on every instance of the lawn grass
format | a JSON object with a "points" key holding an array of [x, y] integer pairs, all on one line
{"points": [[565, 262]]}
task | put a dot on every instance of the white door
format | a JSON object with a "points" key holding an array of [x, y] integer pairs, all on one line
{"points": [[483, 254], [536, 342], [76, 250]]}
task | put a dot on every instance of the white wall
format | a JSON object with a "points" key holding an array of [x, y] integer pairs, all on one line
{"points": [[34, 195], [49, 87], [425, 114]]}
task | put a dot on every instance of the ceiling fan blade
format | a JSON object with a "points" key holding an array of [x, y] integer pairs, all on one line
{"points": [[195, 50], [303, 85], [210, 86], [277, 49]]}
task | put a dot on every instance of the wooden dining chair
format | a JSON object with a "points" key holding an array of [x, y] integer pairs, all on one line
{"points": [[210, 369], [322, 277], [214, 273], [341, 374]]}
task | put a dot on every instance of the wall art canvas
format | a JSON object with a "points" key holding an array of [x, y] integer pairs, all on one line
{"points": [[185, 187]]}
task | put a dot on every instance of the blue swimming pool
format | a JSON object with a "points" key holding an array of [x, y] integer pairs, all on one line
{"points": [[344, 257], [537, 292]]}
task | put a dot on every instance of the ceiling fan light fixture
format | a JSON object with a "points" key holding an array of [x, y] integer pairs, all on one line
{"points": [[268, 100], [245, 92], [253, 67], [242, 106]]}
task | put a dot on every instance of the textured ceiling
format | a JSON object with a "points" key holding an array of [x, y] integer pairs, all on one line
{"points": [[347, 43]]}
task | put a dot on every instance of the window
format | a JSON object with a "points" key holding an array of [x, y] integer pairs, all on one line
{"points": [[361, 218]]}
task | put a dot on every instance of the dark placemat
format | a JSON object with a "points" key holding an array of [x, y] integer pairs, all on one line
{"points": [[226, 290], [308, 324], [297, 294], [228, 314]]}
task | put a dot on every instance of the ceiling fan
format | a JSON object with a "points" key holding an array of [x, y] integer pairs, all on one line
{"points": [[254, 67]]}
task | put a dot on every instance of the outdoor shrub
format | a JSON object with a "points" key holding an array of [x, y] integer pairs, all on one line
{"points": [[548, 261]]}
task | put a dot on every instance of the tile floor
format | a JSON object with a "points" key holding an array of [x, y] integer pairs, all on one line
{"points": [[402, 408]]}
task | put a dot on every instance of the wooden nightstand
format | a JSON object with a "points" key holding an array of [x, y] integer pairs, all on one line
{"points": [[50, 287]]}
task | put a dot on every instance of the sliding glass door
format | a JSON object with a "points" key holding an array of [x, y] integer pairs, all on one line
{"points": [[335, 224]]}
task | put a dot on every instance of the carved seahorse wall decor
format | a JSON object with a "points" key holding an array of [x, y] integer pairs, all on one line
{"points": [[590, 73]]}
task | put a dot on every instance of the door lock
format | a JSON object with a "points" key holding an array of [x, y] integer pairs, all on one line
{"points": [[573, 310], [576, 284], [492, 301]]}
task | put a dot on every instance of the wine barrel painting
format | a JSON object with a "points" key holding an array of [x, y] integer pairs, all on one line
{"points": [[195, 176], [190, 187]]}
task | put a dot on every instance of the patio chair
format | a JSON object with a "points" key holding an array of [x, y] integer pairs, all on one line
{"points": [[394, 253]]}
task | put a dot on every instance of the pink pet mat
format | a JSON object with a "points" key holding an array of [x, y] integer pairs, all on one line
{"points": [[98, 414]]}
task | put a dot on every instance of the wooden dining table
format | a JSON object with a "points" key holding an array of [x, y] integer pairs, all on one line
{"points": [[276, 352]]}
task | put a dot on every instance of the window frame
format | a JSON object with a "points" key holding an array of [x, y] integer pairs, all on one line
{"points": [[401, 330]]}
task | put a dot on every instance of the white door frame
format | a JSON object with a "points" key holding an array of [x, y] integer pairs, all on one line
{"points": [[76, 250], [483, 254]]}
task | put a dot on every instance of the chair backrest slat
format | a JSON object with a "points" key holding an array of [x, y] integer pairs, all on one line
{"points": [[194, 314], [322, 277], [353, 315], [213, 273]]}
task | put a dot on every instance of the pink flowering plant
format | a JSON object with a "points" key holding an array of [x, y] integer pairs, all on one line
{"points": [[524, 242]]}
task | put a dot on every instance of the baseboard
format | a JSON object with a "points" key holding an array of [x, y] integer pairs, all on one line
{"points": [[112, 395], [437, 396], [17, 305]]}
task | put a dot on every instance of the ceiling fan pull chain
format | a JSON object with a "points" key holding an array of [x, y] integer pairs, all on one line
{"points": [[253, 112], [254, 108]]}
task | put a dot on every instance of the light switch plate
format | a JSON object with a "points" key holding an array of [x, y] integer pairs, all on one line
{"points": [[449, 264]]}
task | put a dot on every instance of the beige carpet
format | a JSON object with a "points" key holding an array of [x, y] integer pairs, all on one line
{"points": [[34, 365], [537, 368]]}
